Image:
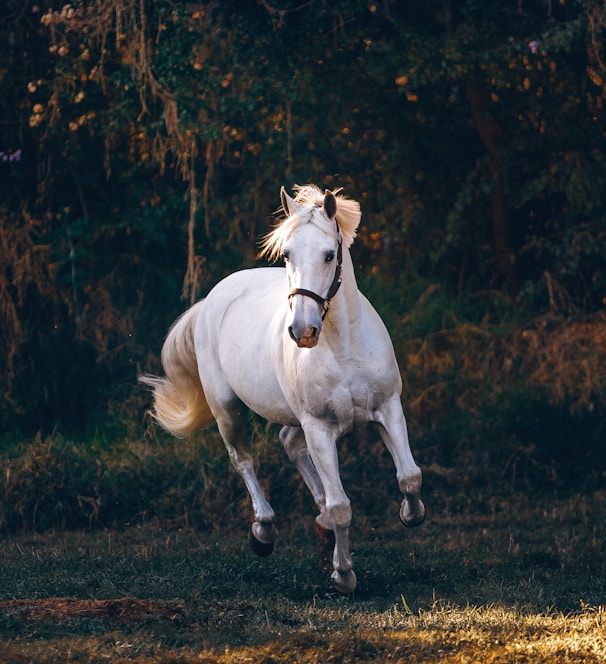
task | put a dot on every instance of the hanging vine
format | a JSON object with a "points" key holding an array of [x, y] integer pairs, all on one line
{"points": [[127, 21]]}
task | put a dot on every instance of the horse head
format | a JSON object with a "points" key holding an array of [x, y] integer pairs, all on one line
{"points": [[313, 255], [310, 240]]}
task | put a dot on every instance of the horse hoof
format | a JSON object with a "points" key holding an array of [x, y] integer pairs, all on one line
{"points": [[344, 582], [413, 522], [262, 549]]}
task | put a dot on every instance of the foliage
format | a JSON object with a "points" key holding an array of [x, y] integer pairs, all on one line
{"points": [[144, 144], [520, 442], [56, 483]]}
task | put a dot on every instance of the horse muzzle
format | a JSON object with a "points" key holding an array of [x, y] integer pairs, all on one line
{"points": [[308, 338], [306, 323]]}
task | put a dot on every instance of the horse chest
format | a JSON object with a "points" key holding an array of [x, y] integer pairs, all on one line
{"points": [[346, 394]]}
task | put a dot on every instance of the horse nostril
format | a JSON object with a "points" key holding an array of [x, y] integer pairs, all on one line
{"points": [[313, 332], [291, 333]]}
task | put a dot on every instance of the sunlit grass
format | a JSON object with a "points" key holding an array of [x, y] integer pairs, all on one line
{"points": [[442, 634]]}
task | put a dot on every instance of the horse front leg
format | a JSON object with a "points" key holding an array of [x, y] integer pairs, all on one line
{"points": [[321, 443], [394, 433], [263, 531]]}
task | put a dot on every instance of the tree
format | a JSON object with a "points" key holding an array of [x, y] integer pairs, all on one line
{"points": [[145, 142]]}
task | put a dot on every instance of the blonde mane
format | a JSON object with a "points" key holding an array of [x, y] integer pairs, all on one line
{"points": [[310, 198]]}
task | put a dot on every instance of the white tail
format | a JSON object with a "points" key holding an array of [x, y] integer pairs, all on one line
{"points": [[179, 401]]}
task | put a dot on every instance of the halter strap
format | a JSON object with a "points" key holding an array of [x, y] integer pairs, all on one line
{"points": [[324, 302]]}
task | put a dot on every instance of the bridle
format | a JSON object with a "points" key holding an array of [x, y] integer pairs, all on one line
{"points": [[324, 302]]}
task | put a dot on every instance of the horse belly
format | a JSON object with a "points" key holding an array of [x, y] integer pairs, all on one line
{"points": [[253, 380], [271, 407]]}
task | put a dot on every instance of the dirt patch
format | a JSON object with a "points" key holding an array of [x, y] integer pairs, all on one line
{"points": [[117, 611]]}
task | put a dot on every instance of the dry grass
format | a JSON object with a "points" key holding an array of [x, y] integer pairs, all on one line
{"points": [[567, 355], [65, 610], [564, 359], [448, 634], [442, 634]]}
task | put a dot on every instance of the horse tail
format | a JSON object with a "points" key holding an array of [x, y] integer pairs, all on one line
{"points": [[180, 404]]}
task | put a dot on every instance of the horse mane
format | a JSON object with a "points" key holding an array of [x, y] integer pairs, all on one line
{"points": [[310, 198]]}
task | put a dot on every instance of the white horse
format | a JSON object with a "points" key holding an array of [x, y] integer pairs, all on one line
{"points": [[265, 339]]}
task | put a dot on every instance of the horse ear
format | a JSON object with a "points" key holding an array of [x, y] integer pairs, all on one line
{"points": [[330, 204], [288, 204]]}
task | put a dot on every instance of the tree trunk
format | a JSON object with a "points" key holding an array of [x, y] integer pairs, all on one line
{"points": [[490, 133]]}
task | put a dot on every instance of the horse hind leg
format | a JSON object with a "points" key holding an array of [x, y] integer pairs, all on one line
{"points": [[293, 440], [263, 532]]}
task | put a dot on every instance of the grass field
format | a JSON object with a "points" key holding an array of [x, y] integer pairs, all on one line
{"points": [[502, 580]]}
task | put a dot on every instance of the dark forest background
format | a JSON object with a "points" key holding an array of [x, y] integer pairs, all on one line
{"points": [[143, 145]]}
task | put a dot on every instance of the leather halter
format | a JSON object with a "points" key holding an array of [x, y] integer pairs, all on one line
{"points": [[324, 302]]}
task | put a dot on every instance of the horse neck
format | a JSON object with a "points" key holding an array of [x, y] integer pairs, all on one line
{"points": [[345, 306]]}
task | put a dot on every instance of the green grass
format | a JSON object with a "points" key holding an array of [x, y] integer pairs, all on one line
{"points": [[512, 580]]}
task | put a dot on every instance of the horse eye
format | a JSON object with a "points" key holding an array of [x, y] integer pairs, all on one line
{"points": [[286, 255], [329, 256]]}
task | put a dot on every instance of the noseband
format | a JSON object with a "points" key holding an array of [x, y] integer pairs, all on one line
{"points": [[324, 302]]}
